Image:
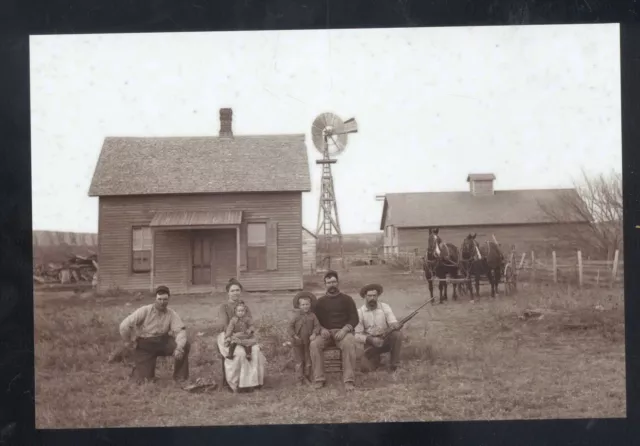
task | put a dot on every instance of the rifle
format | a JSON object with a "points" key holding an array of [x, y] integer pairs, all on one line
{"points": [[404, 320]]}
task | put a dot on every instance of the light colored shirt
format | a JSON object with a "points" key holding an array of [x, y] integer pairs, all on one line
{"points": [[149, 322], [372, 322]]}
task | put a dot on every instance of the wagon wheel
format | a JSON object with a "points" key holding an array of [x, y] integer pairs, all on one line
{"points": [[509, 279]]}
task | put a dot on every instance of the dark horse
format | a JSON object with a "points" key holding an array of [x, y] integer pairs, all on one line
{"points": [[441, 260], [481, 260]]}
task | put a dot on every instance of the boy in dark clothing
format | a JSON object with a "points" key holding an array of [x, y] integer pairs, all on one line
{"points": [[303, 329], [338, 316]]}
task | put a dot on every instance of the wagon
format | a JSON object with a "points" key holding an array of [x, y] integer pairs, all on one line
{"points": [[509, 277]]}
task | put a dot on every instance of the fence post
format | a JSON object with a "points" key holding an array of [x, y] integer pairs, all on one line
{"points": [[614, 271], [555, 267], [524, 254], [580, 278], [533, 267]]}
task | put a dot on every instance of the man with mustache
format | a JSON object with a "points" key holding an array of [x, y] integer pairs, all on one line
{"points": [[338, 315], [156, 330], [374, 319]]}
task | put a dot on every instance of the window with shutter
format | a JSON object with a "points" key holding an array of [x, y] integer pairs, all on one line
{"points": [[141, 250], [256, 246]]}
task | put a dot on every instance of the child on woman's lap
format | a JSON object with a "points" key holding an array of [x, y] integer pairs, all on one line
{"points": [[240, 331]]}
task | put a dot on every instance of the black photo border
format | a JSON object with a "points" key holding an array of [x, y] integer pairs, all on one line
{"points": [[20, 19]]}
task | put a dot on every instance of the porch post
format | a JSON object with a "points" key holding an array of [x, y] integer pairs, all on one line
{"points": [[153, 257], [238, 252]]}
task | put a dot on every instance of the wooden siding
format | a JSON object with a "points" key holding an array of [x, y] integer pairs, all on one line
{"points": [[390, 240], [309, 249], [541, 238], [281, 211]]}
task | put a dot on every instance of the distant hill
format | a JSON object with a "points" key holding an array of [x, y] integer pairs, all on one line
{"points": [[56, 238]]}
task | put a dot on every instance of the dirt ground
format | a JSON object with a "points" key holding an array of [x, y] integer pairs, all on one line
{"points": [[460, 361]]}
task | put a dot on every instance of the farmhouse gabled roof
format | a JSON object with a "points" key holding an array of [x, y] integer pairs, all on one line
{"points": [[178, 165], [440, 209]]}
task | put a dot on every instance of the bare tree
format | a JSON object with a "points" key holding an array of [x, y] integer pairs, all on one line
{"points": [[597, 200]]}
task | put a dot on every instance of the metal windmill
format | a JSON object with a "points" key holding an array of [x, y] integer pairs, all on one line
{"points": [[329, 136]]}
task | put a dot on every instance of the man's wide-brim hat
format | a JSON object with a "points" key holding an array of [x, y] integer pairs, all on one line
{"points": [[302, 294], [371, 286]]}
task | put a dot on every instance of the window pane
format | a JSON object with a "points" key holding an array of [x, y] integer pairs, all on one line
{"points": [[141, 261], [257, 234], [252, 259], [137, 239], [141, 239], [257, 258], [146, 238], [262, 258]]}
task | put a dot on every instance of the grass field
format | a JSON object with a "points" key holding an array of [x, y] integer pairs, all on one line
{"points": [[461, 361]]}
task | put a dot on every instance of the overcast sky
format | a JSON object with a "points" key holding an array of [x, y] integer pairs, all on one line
{"points": [[533, 105]]}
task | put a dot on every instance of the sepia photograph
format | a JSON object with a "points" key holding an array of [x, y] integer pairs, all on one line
{"points": [[327, 226]]}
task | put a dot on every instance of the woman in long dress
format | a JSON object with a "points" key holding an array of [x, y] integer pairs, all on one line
{"points": [[240, 373]]}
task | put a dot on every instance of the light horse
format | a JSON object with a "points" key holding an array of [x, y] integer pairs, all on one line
{"points": [[481, 260], [441, 260]]}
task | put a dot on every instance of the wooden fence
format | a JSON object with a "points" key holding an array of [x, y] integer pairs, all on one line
{"points": [[575, 269], [531, 267]]}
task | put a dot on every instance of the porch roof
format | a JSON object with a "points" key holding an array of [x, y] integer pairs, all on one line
{"points": [[196, 218]]}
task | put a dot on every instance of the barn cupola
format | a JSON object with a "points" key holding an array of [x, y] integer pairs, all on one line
{"points": [[481, 184], [226, 120]]}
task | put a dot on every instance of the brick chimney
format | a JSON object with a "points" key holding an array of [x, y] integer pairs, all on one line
{"points": [[226, 119], [481, 184]]}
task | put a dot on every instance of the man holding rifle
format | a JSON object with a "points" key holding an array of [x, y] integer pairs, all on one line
{"points": [[378, 329]]}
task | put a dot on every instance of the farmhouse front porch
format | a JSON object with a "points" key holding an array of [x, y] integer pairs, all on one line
{"points": [[195, 252]]}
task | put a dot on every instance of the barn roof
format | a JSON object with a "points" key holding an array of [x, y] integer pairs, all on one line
{"points": [[439, 209], [480, 177], [178, 165]]}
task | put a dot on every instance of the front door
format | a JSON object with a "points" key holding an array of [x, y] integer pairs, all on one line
{"points": [[202, 262]]}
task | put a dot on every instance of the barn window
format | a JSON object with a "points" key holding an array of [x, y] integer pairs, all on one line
{"points": [[257, 246], [141, 250]]}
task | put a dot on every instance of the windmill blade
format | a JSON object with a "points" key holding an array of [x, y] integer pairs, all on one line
{"points": [[339, 144], [329, 124], [337, 126]]}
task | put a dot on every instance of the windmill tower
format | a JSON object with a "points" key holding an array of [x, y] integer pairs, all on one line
{"points": [[329, 136]]}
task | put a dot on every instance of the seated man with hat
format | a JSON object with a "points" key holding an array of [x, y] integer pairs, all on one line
{"points": [[375, 318], [155, 330]]}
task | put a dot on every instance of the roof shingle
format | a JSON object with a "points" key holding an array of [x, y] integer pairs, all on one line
{"points": [[176, 165], [440, 209]]}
